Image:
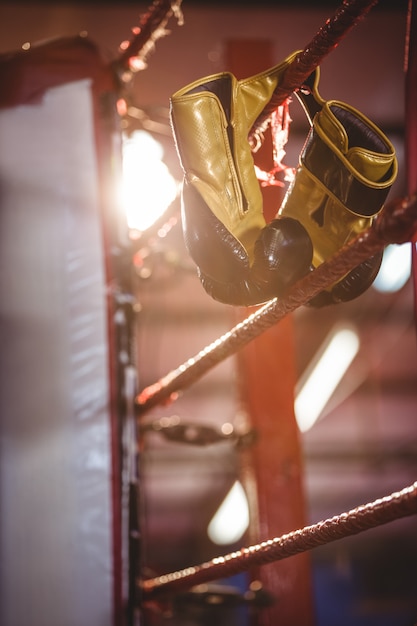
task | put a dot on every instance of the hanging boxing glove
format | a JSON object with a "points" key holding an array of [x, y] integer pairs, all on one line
{"points": [[240, 259], [346, 169]]}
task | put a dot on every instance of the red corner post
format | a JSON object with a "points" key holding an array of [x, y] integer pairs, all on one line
{"points": [[266, 373], [411, 120]]}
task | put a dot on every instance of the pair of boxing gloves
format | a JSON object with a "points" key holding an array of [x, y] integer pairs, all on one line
{"points": [[346, 169]]}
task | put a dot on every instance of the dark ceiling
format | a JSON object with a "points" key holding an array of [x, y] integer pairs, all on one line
{"points": [[273, 4]]}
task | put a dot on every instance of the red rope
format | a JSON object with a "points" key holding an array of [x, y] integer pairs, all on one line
{"points": [[395, 506], [348, 15], [396, 223], [150, 28]]}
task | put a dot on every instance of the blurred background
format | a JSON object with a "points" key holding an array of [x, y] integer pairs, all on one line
{"points": [[361, 443]]}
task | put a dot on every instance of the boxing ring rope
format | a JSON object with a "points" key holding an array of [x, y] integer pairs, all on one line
{"points": [[151, 27], [397, 223], [398, 505], [346, 17], [367, 244]]}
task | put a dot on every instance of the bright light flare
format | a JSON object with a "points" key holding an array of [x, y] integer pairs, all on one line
{"points": [[148, 188], [324, 375]]}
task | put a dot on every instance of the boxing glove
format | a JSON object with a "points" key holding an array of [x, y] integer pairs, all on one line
{"points": [[346, 169], [241, 260]]}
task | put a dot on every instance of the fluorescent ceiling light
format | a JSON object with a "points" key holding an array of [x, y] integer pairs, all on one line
{"points": [[395, 268], [324, 374], [231, 519]]}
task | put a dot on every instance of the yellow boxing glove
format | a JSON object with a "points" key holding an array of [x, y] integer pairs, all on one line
{"points": [[346, 169]]}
